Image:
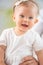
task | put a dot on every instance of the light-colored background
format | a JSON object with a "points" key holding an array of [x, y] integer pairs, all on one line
{"points": [[6, 13]]}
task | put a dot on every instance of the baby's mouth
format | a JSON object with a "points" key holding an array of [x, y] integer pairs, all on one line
{"points": [[24, 25]]}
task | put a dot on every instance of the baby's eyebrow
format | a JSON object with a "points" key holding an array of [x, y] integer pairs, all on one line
{"points": [[22, 15]]}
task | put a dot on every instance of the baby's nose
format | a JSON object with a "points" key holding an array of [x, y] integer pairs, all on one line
{"points": [[26, 19]]}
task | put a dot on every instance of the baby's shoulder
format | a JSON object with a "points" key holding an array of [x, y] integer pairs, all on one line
{"points": [[32, 35], [7, 32]]}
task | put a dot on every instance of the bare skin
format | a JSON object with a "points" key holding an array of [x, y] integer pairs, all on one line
{"points": [[40, 56], [29, 60], [2, 53]]}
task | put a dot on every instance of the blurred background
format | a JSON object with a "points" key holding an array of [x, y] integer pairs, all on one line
{"points": [[6, 12]]}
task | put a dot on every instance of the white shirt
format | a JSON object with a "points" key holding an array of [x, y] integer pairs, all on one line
{"points": [[19, 46]]}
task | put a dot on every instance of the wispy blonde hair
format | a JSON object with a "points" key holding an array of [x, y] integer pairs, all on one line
{"points": [[26, 2]]}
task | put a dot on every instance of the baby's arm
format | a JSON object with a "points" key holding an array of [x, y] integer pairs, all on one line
{"points": [[40, 56], [2, 54]]}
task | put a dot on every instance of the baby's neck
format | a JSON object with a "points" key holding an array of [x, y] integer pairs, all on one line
{"points": [[18, 31]]}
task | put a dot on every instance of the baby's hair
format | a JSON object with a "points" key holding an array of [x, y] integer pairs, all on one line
{"points": [[25, 2]]}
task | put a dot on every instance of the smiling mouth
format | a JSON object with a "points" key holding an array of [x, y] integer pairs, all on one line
{"points": [[24, 25]]}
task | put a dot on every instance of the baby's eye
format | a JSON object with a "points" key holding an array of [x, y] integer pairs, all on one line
{"points": [[22, 16], [30, 17]]}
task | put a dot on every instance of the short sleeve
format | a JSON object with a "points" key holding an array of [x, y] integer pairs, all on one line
{"points": [[3, 38], [38, 43]]}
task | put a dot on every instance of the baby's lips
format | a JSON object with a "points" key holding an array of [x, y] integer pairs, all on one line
{"points": [[25, 25]]}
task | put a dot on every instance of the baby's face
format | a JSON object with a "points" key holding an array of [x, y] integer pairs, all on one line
{"points": [[25, 17]]}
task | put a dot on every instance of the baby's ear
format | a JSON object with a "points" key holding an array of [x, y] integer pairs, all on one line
{"points": [[13, 17], [36, 21]]}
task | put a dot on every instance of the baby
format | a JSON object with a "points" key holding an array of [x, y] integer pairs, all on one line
{"points": [[20, 41]]}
